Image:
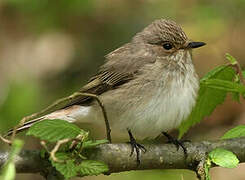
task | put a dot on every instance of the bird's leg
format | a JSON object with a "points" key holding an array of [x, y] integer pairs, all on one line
{"points": [[176, 142], [107, 124], [135, 147]]}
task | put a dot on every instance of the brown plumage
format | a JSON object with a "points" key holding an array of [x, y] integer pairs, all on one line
{"points": [[149, 80]]}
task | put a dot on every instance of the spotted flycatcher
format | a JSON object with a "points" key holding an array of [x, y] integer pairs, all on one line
{"points": [[147, 86]]}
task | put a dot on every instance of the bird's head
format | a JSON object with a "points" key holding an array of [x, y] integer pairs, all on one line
{"points": [[166, 38]]}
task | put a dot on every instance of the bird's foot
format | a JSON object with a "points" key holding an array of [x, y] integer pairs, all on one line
{"points": [[176, 142], [135, 147]]}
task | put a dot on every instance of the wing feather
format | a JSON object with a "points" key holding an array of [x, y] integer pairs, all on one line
{"points": [[121, 66]]}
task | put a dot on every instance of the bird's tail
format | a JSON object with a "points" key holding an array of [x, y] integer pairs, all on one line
{"points": [[26, 126], [68, 114]]}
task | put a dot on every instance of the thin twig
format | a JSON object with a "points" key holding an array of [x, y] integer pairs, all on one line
{"points": [[44, 145], [56, 148], [239, 71], [59, 143], [5, 140], [22, 121], [108, 129]]}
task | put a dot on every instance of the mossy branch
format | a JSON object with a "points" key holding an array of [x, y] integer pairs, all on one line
{"points": [[158, 156]]}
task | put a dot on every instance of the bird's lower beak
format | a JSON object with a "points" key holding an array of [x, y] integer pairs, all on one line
{"points": [[196, 44]]}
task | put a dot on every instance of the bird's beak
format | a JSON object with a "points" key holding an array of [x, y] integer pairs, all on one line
{"points": [[196, 44]]}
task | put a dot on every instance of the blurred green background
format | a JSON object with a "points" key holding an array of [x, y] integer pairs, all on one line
{"points": [[49, 49]]}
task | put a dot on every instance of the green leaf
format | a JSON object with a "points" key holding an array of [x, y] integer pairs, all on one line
{"points": [[238, 131], [54, 130], [8, 171], [228, 86], [209, 97], [90, 143], [223, 158], [214, 72], [67, 168], [231, 59], [90, 167]]}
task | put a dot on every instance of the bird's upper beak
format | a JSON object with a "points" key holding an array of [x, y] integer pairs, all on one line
{"points": [[195, 44]]}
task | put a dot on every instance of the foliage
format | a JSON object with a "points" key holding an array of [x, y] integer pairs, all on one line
{"points": [[90, 167], [91, 144], [8, 170], [222, 158], [214, 87], [67, 168], [70, 168], [238, 131], [55, 130], [67, 162]]}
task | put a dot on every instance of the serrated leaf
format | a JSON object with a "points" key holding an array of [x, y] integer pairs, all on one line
{"points": [[231, 59], [67, 168], [208, 98], [90, 143], [54, 130], [223, 158], [91, 167], [238, 131]]}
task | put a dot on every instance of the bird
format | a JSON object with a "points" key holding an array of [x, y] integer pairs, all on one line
{"points": [[147, 86]]}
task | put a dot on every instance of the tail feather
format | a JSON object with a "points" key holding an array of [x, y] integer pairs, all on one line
{"points": [[26, 125], [70, 114]]}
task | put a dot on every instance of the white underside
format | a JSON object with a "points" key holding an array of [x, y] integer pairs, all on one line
{"points": [[164, 112]]}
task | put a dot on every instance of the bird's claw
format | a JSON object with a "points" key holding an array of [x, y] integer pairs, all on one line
{"points": [[176, 142], [135, 147]]}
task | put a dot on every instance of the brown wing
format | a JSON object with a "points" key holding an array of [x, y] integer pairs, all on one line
{"points": [[121, 66]]}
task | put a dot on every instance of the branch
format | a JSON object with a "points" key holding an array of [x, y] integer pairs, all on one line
{"points": [[158, 156]]}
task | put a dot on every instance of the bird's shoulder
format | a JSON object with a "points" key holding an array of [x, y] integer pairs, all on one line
{"points": [[121, 65]]}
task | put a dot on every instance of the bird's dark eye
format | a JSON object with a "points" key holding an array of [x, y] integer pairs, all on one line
{"points": [[167, 46]]}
